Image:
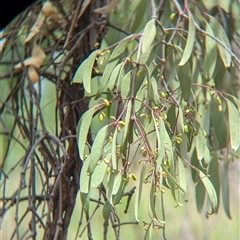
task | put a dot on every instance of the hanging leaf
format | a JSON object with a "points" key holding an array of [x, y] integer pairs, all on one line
{"points": [[84, 71], [110, 187], [97, 147], [139, 191], [210, 190], [214, 174], [184, 76], [200, 142], [98, 174], [153, 91], [149, 33], [114, 76], [210, 57], [107, 208], [182, 175], [108, 8], [221, 35], [126, 84], [190, 40], [127, 121], [233, 123], [114, 150], [200, 194], [83, 129], [106, 75], [225, 189]]}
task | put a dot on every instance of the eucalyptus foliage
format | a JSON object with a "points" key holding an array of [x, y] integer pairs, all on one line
{"points": [[138, 95], [168, 94]]}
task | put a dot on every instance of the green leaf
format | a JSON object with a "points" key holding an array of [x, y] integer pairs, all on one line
{"points": [[106, 75], [190, 40], [114, 150], [84, 72], [219, 123], [97, 147], [127, 121], [200, 142], [83, 129], [233, 123], [173, 180], [98, 174], [149, 33], [200, 194], [120, 48], [210, 54], [110, 188], [85, 177], [210, 190], [126, 83], [225, 189], [114, 76], [184, 76], [222, 36], [107, 208], [182, 175], [119, 194], [139, 191], [153, 91], [214, 174]]}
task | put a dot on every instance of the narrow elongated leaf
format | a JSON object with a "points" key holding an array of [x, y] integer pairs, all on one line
{"points": [[200, 195], [148, 35], [126, 85], [153, 91], [225, 189], [83, 128], [210, 191], [139, 191], [106, 75], [184, 76], [200, 142], [97, 148], [182, 175], [234, 125], [173, 180], [127, 120], [107, 208], [111, 181], [214, 174], [190, 40], [114, 76], [84, 72], [222, 36], [120, 48], [210, 58], [114, 150], [119, 194], [98, 174]]}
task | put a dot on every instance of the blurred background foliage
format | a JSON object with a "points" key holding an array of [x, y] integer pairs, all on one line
{"points": [[211, 108]]}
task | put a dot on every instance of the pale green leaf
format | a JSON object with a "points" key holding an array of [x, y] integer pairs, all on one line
{"points": [[234, 125], [200, 194], [114, 150], [184, 76], [114, 76], [153, 91], [107, 208], [200, 142], [111, 180], [83, 129], [222, 36], [85, 177], [126, 83], [149, 33], [190, 41], [119, 194], [210, 54], [85, 199], [210, 190], [106, 75], [97, 147], [182, 175], [120, 48], [98, 174], [225, 189], [127, 121], [139, 191], [84, 72]]}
